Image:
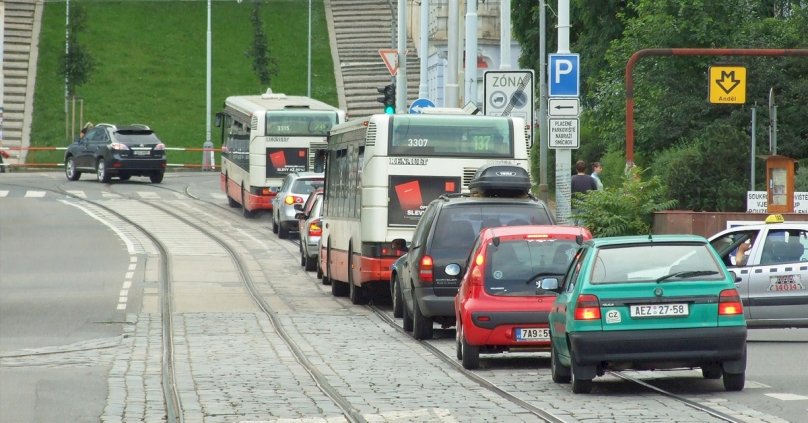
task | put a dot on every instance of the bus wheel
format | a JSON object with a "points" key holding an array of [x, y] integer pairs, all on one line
{"points": [[357, 293], [230, 200], [249, 214], [338, 289]]}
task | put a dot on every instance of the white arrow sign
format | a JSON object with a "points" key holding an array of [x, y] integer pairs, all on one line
{"points": [[563, 107]]}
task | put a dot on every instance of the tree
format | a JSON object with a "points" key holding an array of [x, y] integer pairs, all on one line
{"points": [[264, 65], [78, 64]]}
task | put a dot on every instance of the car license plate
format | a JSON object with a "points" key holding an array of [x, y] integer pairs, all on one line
{"points": [[659, 310], [142, 152], [532, 334]]}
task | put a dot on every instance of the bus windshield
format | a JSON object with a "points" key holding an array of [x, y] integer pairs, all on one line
{"points": [[304, 122], [451, 135]]}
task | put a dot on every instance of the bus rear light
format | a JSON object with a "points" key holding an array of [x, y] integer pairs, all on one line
{"points": [[587, 307], [729, 303], [425, 269]]}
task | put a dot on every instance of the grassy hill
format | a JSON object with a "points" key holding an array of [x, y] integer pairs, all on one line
{"points": [[151, 65]]}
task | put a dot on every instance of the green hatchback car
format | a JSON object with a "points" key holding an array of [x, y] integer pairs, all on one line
{"points": [[645, 303]]}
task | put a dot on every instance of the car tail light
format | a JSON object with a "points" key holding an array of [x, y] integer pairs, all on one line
{"points": [[587, 307], [425, 269], [476, 273], [118, 146], [292, 199], [160, 147], [729, 303], [315, 229]]}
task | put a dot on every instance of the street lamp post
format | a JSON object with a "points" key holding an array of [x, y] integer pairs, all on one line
{"points": [[308, 79]]}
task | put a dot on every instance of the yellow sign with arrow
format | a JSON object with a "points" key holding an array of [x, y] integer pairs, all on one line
{"points": [[727, 84]]}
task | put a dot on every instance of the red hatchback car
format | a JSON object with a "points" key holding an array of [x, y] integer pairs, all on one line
{"points": [[501, 305]]}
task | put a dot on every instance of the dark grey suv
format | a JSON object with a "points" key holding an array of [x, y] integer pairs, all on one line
{"points": [[122, 151], [424, 281]]}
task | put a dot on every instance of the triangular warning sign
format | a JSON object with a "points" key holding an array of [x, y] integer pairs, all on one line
{"points": [[390, 57]]}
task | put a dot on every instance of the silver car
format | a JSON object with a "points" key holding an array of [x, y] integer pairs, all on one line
{"points": [[295, 190], [310, 230], [771, 263]]}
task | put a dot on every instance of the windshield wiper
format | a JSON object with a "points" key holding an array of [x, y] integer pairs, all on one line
{"points": [[687, 274]]}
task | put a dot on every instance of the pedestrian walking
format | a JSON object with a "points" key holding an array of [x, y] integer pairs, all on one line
{"points": [[597, 168]]}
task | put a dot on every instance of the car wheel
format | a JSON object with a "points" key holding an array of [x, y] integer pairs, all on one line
{"points": [[406, 317], [471, 354], [458, 344], [397, 297], [579, 386], [421, 325], [70, 169], [338, 289], [283, 233], [357, 293], [311, 265], [101, 171], [156, 177], [320, 271], [125, 177], [734, 381], [303, 260], [560, 372], [274, 224], [712, 371]]}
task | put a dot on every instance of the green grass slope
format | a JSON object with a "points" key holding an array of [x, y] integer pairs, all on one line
{"points": [[151, 66]]}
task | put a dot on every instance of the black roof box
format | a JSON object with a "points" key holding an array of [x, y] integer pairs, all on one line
{"points": [[500, 180]]}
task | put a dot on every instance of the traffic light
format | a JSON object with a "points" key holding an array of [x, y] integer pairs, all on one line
{"points": [[389, 99]]}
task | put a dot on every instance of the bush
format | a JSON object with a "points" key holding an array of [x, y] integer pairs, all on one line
{"points": [[624, 210]]}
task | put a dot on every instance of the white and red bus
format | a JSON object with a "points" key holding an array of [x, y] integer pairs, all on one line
{"points": [[381, 172], [265, 137]]}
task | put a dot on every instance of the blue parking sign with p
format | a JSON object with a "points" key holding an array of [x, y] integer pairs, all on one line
{"points": [[563, 75]]}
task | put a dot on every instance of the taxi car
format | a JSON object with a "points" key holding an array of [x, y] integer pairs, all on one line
{"points": [[771, 270], [500, 305], [646, 303]]}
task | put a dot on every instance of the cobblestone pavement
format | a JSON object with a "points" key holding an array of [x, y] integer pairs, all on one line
{"points": [[232, 365]]}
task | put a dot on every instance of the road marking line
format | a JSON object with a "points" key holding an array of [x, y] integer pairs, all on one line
{"points": [[34, 194], [124, 293], [3, 193], [127, 284], [148, 195], [129, 275], [80, 194], [788, 397], [121, 306], [122, 299]]}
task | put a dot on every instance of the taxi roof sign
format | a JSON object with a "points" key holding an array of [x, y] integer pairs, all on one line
{"points": [[775, 218]]}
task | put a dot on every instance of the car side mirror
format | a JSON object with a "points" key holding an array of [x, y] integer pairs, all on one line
{"points": [[298, 206], [549, 284], [301, 216], [735, 276]]}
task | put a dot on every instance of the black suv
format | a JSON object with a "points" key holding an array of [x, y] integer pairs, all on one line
{"points": [[123, 151], [424, 281]]}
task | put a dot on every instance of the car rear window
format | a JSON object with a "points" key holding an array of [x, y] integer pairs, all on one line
{"points": [[467, 219], [651, 261], [306, 186], [137, 137], [516, 267]]}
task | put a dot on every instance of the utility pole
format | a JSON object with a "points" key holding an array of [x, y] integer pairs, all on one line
{"points": [[563, 155], [424, 49], [401, 74], [505, 35], [450, 95], [543, 147], [470, 88]]}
